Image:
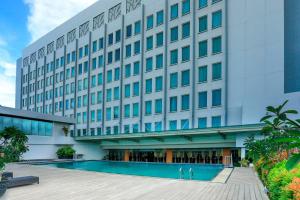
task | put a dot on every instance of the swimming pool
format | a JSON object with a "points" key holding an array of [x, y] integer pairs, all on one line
{"points": [[162, 170]]}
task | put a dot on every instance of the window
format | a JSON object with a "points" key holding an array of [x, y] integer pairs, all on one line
{"points": [[158, 126], [149, 45], [99, 115], [217, 19], [148, 86], [136, 89], [108, 130], [202, 99], [127, 111], [173, 104], [174, 34], [174, 57], [148, 107], [116, 130], [116, 93], [110, 39], [148, 127], [137, 47], [100, 79], [101, 43], [216, 97], [136, 68], [126, 129], [186, 30], [109, 57], [100, 61], [203, 24], [127, 70], [128, 50], [217, 45], [108, 95], [150, 22], [159, 61], [185, 54], [99, 97], [128, 31], [159, 18], [174, 80], [80, 53], [216, 71], [127, 90], [185, 102], [185, 7], [184, 124], [116, 112], [202, 74], [216, 121], [118, 36], [135, 112], [159, 39], [203, 49], [202, 3], [108, 114], [137, 27], [174, 11], [92, 116], [93, 82], [158, 106], [109, 76], [94, 63], [215, 1], [149, 63], [173, 125], [117, 74], [158, 84], [202, 122], [117, 55], [94, 47], [135, 128], [185, 78]]}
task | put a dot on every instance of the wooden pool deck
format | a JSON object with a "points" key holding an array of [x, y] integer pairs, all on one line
{"points": [[64, 184]]}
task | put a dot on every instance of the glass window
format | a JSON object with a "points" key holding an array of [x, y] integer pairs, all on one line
{"points": [[174, 34], [186, 30], [93, 84], [174, 80], [150, 22], [127, 111], [109, 76], [203, 24], [137, 27], [185, 7], [217, 19], [149, 45], [216, 97], [109, 57], [92, 116], [202, 122], [149, 63], [99, 97], [216, 71], [116, 112], [174, 57], [118, 36], [100, 80], [135, 128], [127, 90], [135, 112], [159, 61], [173, 125], [116, 93], [185, 78], [216, 121], [42, 128], [158, 84], [136, 68], [203, 48], [202, 3], [137, 47], [148, 127], [185, 102], [94, 63], [126, 129], [158, 126], [128, 31], [174, 11], [148, 107], [100, 61], [159, 18], [128, 50], [202, 99], [110, 39], [185, 53], [173, 104], [108, 114], [158, 106], [101, 43], [202, 74], [80, 53], [117, 74], [136, 89], [159, 39], [148, 86], [184, 124], [117, 55], [108, 130], [127, 70], [217, 45], [94, 46], [86, 50]]}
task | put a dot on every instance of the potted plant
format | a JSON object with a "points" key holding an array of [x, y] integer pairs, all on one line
{"points": [[65, 130]]}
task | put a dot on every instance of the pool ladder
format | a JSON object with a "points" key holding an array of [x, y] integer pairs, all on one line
{"points": [[181, 173]]}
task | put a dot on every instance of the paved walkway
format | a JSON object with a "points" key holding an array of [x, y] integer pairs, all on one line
{"points": [[63, 184]]}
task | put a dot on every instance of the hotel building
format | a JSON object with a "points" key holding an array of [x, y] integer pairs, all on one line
{"points": [[166, 75]]}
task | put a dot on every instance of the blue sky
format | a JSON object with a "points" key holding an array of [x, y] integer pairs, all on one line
{"points": [[21, 23]]}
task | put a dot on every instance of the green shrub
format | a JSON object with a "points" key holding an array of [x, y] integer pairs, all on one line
{"points": [[65, 152], [244, 163]]}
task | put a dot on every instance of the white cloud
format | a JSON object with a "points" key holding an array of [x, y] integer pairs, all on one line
{"points": [[45, 15]]}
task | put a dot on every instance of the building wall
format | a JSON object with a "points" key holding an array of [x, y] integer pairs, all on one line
{"points": [[18, 100]]}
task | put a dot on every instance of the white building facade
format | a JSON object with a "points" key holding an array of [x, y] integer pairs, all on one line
{"points": [[131, 66]]}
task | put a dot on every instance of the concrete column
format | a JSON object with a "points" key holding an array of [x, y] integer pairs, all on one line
{"points": [[243, 152], [126, 155], [226, 152], [169, 158]]}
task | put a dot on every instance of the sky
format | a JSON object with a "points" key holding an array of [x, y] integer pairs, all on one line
{"points": [[23, 22]]}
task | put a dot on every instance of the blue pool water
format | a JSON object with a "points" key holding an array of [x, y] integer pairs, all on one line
{"points": [[200, 172]]}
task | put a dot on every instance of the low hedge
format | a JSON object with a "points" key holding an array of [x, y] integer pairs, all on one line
{"points": [[65, 152]]}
